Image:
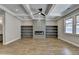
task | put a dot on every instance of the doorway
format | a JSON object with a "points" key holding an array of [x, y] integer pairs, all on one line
{"points": [[1, 26], [1, 29]]}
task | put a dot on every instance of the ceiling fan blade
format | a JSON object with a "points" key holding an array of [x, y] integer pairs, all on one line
{"points": [[42, 14], [40, 9], [36, 13]]}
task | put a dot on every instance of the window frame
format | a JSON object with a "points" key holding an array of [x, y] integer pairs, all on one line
{"points": [[72, 25], [75, 22]]}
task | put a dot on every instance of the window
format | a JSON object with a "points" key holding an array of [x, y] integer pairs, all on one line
{"points": [[77, 24], [69, 25]]}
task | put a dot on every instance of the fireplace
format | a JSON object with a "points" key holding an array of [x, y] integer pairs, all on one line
{"points": [[39, 29], [39, 32]]}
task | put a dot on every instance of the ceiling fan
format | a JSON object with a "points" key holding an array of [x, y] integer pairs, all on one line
{"points": [[40, 12]]}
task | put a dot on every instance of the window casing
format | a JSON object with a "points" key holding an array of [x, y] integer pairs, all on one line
{"points": [[77, 24], [69, 25]]}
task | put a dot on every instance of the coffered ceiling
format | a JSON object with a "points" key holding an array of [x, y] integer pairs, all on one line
{"points": [[27, 11]]}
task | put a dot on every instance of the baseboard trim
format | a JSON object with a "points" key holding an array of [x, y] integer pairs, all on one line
{"points": [[77, 45], [10, 41]]}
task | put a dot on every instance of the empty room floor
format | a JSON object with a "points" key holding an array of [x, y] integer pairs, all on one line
{"points": [[48, 46]]}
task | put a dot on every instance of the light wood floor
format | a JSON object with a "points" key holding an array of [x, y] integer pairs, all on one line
{"points": [[49, 46]]}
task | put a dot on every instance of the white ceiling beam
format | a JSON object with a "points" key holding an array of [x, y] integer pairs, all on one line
{"points": [[39, 18], [20, 18], [51, 9], [48, 8], [27, 8], [21, 15]]}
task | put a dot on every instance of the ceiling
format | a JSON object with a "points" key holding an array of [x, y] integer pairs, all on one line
{"points": [[34, 7], [27, 11]]}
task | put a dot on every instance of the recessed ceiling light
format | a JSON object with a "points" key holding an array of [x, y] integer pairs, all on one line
{"points": [[17, 9]]}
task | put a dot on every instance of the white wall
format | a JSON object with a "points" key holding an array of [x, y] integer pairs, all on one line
{"points": [[27, 23], [51, 23], [73, 39], [30, 23], [12, 29]]}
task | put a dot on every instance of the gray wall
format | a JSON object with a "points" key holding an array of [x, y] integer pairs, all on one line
{"points": [[51, 23], [71, 38], [12, 29], [30, 23], [27, 23]]}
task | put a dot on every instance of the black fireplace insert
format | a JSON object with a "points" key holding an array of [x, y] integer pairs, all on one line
{"points": [[39, 32]]}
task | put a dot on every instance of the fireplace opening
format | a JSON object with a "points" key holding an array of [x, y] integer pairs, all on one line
{"points": [[39, 32]]}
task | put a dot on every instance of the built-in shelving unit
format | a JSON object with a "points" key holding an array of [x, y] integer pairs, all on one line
{"points": [[26, 31], [51, 31]]}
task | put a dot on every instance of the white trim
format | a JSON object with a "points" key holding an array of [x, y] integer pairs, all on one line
{"points": [[52, 8], [27, 8], [77, 45], [5, 43], [67, 18]]}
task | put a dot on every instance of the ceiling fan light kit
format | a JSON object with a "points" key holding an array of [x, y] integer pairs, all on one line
{"points": [[40, 12]]}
